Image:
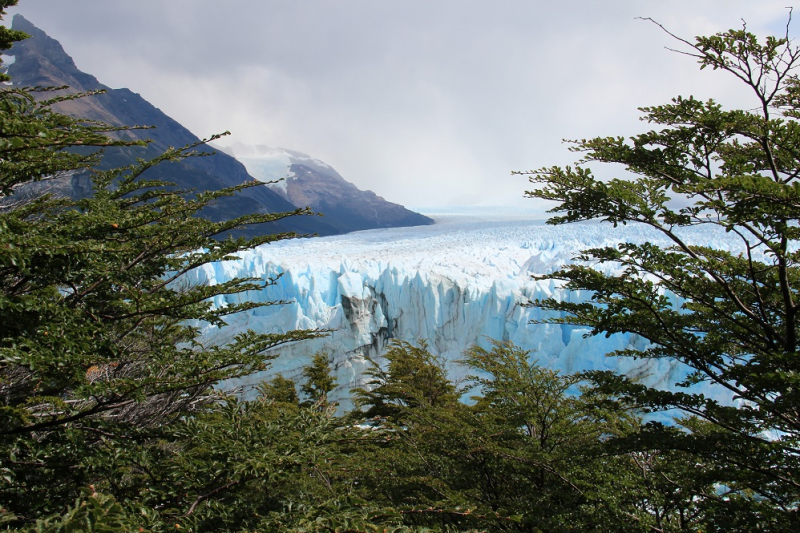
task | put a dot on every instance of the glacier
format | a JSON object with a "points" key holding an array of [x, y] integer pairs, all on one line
{"points": [[459, 282]]}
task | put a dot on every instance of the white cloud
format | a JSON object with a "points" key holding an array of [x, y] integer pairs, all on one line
{"points": [[423, 101]]}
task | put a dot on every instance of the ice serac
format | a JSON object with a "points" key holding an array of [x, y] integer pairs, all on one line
{"points": [[305, 181], [462, 281]]}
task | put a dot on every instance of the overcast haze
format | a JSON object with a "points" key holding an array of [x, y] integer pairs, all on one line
{"points": [[424, 102]]}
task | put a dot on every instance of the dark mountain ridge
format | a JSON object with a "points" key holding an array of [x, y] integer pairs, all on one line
{"points": [[42, 61]]}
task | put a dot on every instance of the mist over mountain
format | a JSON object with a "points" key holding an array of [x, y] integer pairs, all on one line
{"points": [[305, 181], [42, 61]]}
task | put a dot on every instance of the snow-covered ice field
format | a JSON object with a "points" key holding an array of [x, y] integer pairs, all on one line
{"points": [[456, 283]]}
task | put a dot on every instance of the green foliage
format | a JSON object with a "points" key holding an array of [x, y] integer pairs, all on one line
{"points": [[547, 437], [241, 462], [8, 36], [342, 515], [38, 143], [110, 419], [319, 381], [94, 513], [412, 377], [99, 349], [736, 317], [99, 330], [531, 454], [279, 389]]}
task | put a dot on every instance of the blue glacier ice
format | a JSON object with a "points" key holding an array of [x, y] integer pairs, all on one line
{"points": [[456, 283]]}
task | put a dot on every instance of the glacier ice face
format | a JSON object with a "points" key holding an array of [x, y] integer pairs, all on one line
{"points": [[459, 282]]}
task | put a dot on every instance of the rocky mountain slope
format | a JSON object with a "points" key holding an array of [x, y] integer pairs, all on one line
{"points": [[42, 61], [306, 181]]}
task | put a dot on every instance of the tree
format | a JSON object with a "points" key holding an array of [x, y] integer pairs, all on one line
{"points": [[99, 349], [425, 449], [279, 389], [528, 454], [319, 381], [545, 441], [413, 377], [7, 35], [735, 323]]}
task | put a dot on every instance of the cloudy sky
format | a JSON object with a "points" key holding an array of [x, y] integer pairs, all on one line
{"points": [[425, 102]]}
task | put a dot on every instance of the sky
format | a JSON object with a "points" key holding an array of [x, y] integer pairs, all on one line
{"points": [[425, 102]]}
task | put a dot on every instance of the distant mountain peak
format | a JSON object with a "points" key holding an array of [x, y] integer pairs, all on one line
{"points": [[41, 60], [306, 181]]}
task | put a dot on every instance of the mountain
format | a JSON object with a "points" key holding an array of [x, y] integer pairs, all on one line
{"points": [[42, 61], [460, 282], [305, 181]]}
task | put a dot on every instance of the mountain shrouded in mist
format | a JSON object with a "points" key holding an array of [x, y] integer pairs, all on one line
{"points": [[42, 61], [305, 181]]}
